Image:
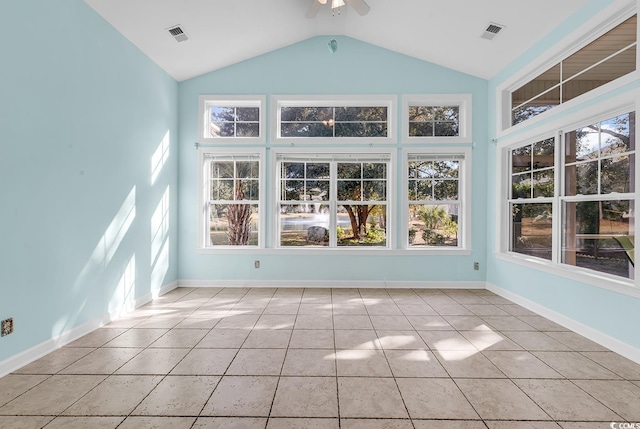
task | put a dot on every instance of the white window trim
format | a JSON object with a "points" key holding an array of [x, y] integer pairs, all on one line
{"points": [[603, 22], [624, 103], [464, 243], [462, 101], [207, 101], [203, 193], [278, 101], [391, 198]]}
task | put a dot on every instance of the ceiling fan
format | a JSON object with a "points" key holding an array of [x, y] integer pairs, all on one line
{"points": [[359, 6]]}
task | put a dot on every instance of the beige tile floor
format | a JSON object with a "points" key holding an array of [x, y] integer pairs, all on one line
{"points": [[321, 358]]}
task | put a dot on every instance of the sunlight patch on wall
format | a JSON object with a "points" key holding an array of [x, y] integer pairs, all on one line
{"points": [[160, 157], [99, 260], [111, 239], [160, 269], [160, 225], [123, 298]]}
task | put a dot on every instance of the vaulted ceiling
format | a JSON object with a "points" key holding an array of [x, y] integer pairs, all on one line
{"points": [[224, 32]]}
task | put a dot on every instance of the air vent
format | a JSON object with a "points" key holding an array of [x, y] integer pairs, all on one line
{"points": [[492, 31], [178, 33]]}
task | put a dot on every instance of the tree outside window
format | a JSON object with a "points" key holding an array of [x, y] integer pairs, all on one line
{"points": [[434, 200]]}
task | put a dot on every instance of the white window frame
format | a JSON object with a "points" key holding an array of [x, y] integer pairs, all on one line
{"points": [[624, 103], [553, 200], [203, 198], [279, 101], [337, 154], [464, 190], [205, 102], [605, 21], [464, 102]]}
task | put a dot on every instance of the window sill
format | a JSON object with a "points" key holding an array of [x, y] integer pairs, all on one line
{"points": [[438, 140], [593, 278], [318, 251]]}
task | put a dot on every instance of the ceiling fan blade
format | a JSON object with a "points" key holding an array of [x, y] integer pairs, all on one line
{"points": [[314, 8], [359, 6]]}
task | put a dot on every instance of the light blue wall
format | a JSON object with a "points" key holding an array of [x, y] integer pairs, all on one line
{"points": [[309, 68], [82, 113], [603, 310]]}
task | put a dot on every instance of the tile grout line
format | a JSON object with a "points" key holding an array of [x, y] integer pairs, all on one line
{"points": [[164, 377], [395, 381], [335, 360], [275, 391], [226, 369]]}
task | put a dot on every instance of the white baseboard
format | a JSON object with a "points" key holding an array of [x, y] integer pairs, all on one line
{"points": [[373, 284], [603, 339], [36, 352], [144, 299]]}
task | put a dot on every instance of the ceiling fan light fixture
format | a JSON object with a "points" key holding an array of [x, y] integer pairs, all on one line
{"points": [[359, 6]]}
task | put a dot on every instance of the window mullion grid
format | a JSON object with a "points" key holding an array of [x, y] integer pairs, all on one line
{"points": [[561, 81], [333, 126], [556, 206], [507, 230], [235, 122], [333, 212], [598, 197], [282, 201], [433, 121], [206, 207], [558, 85], [435, 202], [592, 66]]}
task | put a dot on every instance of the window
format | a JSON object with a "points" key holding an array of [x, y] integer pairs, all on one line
{"points": [[232, 199], [434, 121], [530, 204], [576, 207], [338, 200], [598, 202], [607, 58], [226, 118], [355, 118], [437, 118], [437, 197]]}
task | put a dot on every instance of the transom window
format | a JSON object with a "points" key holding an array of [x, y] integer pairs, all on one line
{"points": [[334, 121], [434, 121], [436, 193], [607, 58], [345, 118], [234, 121], [437, 118], [232, 199], [226, 118], [333, 200]]}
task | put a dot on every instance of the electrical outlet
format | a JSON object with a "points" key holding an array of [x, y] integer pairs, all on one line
{"points": [[6, 326], [256, 264], [476, 266]]}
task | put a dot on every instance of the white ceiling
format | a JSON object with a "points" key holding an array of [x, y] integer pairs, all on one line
{"points": [[224, 32]]}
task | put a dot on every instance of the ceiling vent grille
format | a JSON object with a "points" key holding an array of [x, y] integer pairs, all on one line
{"points": [[492, 31], [178, 33]]}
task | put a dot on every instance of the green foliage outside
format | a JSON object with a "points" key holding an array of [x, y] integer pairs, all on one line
{"points": [[439, 226]]}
